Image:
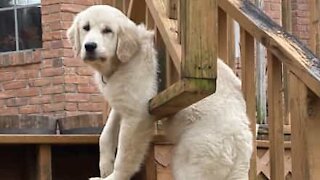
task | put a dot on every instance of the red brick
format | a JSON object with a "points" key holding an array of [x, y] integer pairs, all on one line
{"points": [[30, 109], [87, 89], [27, 74], [49, 2], [77, 79], [68, 53], [49, 72], [50, 17], [70, 70], [27, 92], [43, 99], [49, 9], [71, 107], [13, 102], [76, 97], [53, 107], [7, 94], [97, 98], [56, 44], [57, 80], [73, 8], [39, 82], [54, 35], [84, 71], [70, 88], [91, 107], [6, 76], [72, 62], [52, 53], [14, 85], [58, 98], [9, 111], [52, 89], [66, 16]]}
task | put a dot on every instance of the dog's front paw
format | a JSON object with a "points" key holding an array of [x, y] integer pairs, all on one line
{"points": [[95, 178]]}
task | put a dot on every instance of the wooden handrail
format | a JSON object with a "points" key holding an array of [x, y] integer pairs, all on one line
{"points": [[287, 48]]}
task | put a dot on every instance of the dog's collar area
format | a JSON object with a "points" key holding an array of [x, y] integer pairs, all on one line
{"points": [[103, 80]]}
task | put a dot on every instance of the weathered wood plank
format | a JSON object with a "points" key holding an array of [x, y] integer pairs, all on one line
{"points": [[223, 36], [167, 29], [249, 91], [275, 117], [299, 59], [172, 9], [44, 163], [305, 115], [199, 32], [180, 95], [48, 139]]}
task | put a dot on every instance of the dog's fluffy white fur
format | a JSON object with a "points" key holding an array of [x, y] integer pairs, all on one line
{"points": [[213, 139]]}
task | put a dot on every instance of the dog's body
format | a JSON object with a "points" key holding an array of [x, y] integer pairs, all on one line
{"points": [[213, 140]]}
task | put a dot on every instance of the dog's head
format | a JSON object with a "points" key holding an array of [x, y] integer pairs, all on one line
{"points": [[100, 34]]}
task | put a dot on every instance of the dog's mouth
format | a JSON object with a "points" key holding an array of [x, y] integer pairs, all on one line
{"points": [[94, 57]]}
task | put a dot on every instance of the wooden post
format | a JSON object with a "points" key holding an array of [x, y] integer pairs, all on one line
{"points": [[249, 91], [108, 2], [287, 25], [315, 25], [199, 38], [305, 115], [150, 164], [275, 117], [44, 162]]}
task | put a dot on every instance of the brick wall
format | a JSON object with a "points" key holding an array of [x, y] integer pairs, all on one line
{"points": [[300, 19], [49, 80]]}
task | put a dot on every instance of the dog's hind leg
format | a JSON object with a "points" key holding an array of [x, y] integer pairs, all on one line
{"points": [[108, 142]]}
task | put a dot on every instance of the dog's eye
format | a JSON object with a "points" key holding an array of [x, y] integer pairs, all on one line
{"points": [[106, 30], [86, 27]]}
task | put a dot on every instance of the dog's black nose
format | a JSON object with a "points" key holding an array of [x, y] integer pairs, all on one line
{"points": [[90, 46]]}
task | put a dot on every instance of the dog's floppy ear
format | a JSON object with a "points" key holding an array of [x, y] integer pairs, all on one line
{"points": [[128, 43], [74, 36]]}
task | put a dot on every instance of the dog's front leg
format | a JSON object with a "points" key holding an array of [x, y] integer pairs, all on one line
{"points": [[134, 138], [108, 142]]}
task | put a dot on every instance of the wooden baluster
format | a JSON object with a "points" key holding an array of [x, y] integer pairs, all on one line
{"points": [[305, 116], [44, 162], [231, 42], [315, 26], [249, 91], [223, 36], [275, 117]]}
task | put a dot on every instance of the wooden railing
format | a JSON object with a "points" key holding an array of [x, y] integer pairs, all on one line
{"points": [[205, 30]]}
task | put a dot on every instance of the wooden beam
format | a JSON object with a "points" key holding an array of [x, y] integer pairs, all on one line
{"points": [[44, 162], [180, 95], [275, 117], [48, 139], [305, 115], [167, 28], [249, 91], [199, 32], [299, 59]]}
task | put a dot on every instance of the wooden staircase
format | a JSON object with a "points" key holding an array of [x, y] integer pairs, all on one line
{"points": [[192, 34]]}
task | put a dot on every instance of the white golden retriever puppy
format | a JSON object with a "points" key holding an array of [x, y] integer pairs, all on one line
{"points": [[213, 139]]}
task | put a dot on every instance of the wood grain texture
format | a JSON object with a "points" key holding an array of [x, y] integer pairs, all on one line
{"points": [[275, 117], [167, 29], [44, 163], [305, 115], [223, 36], [180, 95], [199, 32], [299, 59], [249, 91]]}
